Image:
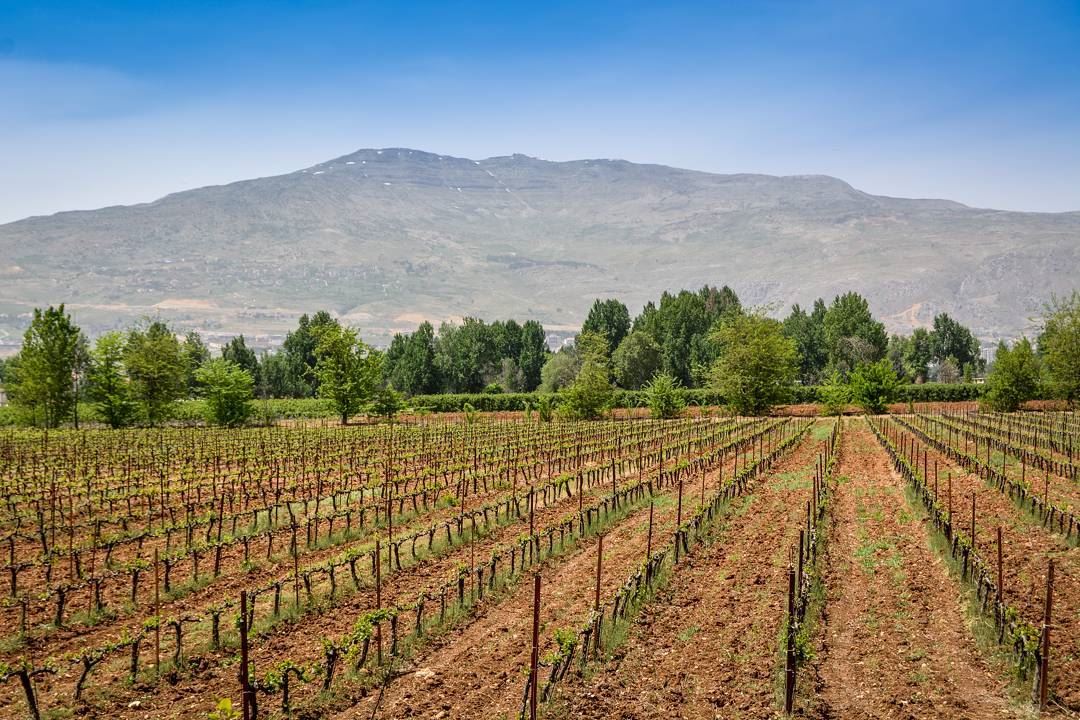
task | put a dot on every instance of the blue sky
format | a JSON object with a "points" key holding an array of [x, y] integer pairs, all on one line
{"points": [[121, 102]]}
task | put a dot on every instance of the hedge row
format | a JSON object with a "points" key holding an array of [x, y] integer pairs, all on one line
{"points": [[930, 392], [193, 411]]}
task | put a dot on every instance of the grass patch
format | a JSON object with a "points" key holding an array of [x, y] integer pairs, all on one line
{"points": [[687, 634]]}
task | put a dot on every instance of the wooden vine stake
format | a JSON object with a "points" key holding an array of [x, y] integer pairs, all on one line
{"points": [[157, 616], [648, 543], [1042, 684], [789, 669], [378, 599], [972, 522], [599, 564], [246, 692], [534, 662]]}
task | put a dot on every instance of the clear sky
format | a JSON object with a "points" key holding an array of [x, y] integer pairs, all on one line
{"points": [[121, 102]]}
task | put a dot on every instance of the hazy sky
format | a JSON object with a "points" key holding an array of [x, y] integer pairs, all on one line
{"points": [[121, 102]]}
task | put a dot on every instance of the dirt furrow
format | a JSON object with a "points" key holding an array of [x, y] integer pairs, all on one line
{"points": [[894, 619], [706, 647], [477, 671], [1027, 548], [301, 641]]}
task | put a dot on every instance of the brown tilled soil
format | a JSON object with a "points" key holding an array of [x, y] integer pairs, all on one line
{"points": [[1027, 548], [196, 693], [477, 671], [894, 641], [706, 647]]}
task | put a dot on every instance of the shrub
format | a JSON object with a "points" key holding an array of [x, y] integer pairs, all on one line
{"points": [[665, 400], [1014, 377], [227, 389], [874, 386], [757, 364], [590, 395], [835, 395]]}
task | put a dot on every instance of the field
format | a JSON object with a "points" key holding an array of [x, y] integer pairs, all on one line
{"points": [[894, 566]]}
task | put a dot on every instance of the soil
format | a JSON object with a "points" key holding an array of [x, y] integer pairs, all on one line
{"points": [[895, 640], [707, 646], [1027, 549], [478, 671]]}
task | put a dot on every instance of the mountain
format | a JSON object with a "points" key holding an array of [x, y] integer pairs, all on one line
{"points": [[386, 238]]}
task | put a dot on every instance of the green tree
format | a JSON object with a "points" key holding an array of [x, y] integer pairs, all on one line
{"points": [[835, 394], [411, 364], [610, 319], [1059, 346], [951, 339], [1014, 377], [44, 378], [685, 323], [276, 377], [590, 395], [664, 397], [507, 338], [918, 354], [808, 332], [299, 349], [195, 353], [636, 360], [347, 370], [228, 390], [874, 386], [560, 369], [895, 352], [852, 336], [157, 370], [757, 364], [386, 402], [238, 353], [534, 353], [110, 388], [465, 356]]}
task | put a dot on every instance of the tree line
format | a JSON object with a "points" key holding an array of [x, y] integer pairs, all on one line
{"points": [[690, 339]]}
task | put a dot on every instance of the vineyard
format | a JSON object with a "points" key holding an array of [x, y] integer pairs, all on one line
{"points": [[729, 566]]}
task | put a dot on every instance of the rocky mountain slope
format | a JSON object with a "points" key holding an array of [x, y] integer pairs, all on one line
{"points": [[388, 237]]}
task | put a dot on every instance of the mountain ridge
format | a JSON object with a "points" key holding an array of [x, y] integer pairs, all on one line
{"points": [[388, 236]]}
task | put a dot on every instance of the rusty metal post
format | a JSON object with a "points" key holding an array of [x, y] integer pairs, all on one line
{"points": [[702, 484], [678, 518], [1001, 570], [799, 575]]}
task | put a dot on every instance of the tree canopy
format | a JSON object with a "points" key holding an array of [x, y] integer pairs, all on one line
{"points": [[43, 377], [347, 370], [1014, 377], [589, 396], [1059, 345], [228, 390], [757, 363], [153, 359], [609, 319]]}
